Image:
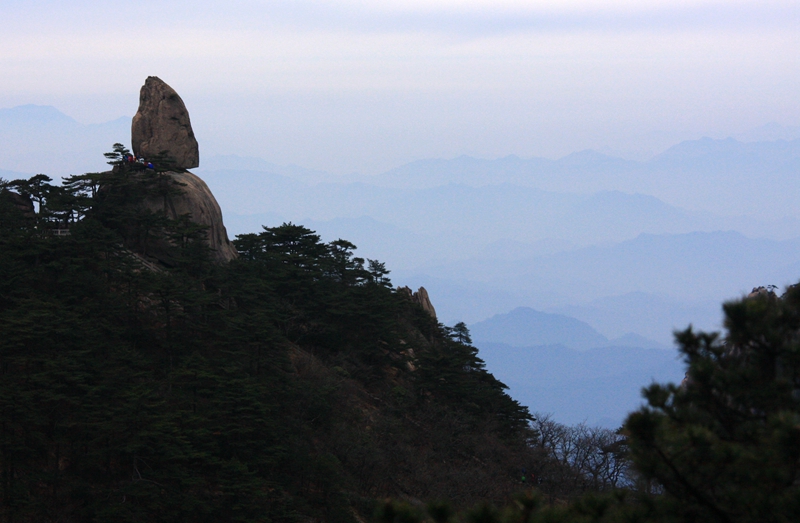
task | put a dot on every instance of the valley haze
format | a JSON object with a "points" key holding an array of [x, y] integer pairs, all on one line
{"points": [[601, 242], [612, 168]]}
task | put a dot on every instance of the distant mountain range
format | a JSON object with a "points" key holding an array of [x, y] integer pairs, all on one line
{"points": [[488, 214], [486, 250], [654, 316], [693, 265], [521, 214], [526, 327], [560, 365], [650, 285], [41, 139], [599, 386], [727, 177]]}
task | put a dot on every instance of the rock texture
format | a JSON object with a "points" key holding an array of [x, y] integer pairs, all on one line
{"points": [[197, 201], [420, 297], [162, 125]]}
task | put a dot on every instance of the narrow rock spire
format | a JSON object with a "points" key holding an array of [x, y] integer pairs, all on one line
{"points": [[420, 297]]}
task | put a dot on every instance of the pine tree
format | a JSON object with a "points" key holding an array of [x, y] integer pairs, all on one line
{"points": [[725, 445]]}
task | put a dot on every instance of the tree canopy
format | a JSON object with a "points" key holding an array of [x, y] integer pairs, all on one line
{"points": [[292, 383]]}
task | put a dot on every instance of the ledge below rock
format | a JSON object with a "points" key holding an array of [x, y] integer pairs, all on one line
{"points": [[197, 201]]}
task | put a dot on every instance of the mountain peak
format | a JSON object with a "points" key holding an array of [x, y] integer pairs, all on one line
{"points": [[526, 327], [35, 115]]}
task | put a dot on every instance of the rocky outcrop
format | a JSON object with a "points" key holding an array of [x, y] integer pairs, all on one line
{"points": [[420, 297], [161, 125], [763, 292], [196, 200]]}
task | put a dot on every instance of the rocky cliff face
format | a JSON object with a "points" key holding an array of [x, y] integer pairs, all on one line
{"points": [[420, 297], [197, 201], [161, 125]]}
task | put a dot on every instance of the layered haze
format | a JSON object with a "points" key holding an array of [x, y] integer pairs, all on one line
{"points": [[606, 172], [583, 277], [345, 86]]}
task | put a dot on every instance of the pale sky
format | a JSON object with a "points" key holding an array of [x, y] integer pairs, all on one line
{"points": [[365, 86]]}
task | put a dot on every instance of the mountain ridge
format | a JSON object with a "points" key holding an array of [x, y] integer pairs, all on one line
{"points": [[596, 386], [527, 327]]}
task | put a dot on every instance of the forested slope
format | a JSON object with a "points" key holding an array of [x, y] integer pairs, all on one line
{"points": [[140, 381], [291, 383]]}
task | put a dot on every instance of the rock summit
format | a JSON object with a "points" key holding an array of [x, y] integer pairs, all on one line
{"points": [[161, 125]]}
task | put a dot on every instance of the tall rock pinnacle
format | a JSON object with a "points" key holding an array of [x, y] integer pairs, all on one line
{"points": [[420, 297], [162, 125]]}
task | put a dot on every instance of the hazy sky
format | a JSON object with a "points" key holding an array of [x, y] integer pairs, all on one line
{"points": [[353, 85]]}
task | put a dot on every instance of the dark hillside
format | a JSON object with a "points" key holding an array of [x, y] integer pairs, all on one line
{"points": [[291, 383]]}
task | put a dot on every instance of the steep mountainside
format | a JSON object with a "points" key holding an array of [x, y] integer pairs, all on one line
{"points": [[151, 370], [292, 383]]}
